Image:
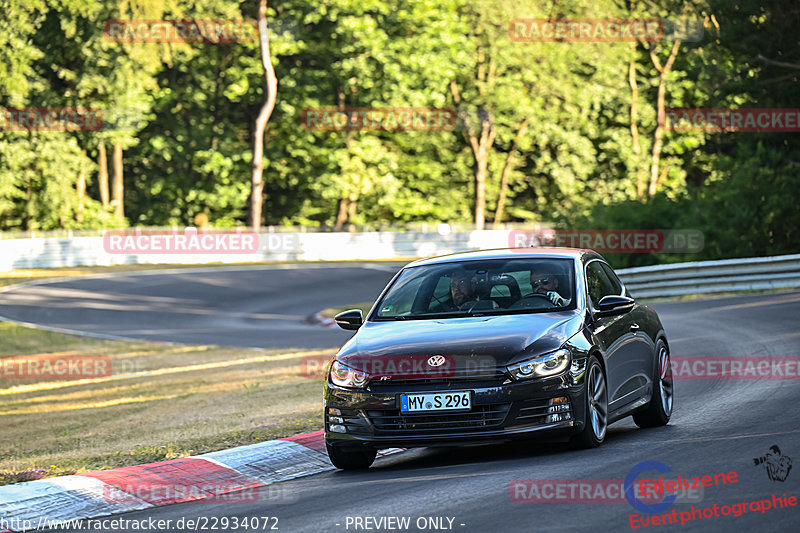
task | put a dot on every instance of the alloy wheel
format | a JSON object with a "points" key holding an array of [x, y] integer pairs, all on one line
{"points": [[665, 380], [598, 401]]}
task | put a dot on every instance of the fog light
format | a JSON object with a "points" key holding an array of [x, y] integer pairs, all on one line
{"points": [[332, 411], [336, 428], [558, 405], [558, 417], [335, 419]]}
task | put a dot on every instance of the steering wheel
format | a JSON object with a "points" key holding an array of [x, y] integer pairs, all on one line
{"points": [[537, 294], [532, 301]]}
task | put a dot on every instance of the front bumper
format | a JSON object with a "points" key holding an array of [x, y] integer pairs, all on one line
{"points": [[501, 410]]}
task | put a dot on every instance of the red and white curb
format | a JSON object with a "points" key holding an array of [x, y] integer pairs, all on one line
{"points": [[207, 477]]}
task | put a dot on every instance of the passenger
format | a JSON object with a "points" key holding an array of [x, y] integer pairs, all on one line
{"points": [[462, 288]]}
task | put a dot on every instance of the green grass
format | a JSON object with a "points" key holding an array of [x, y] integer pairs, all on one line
{"points": [[160, 402]]}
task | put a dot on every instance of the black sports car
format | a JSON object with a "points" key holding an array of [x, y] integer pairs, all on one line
{"points": [[492, 346]]}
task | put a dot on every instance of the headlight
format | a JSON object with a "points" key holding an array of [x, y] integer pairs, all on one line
{"points": [[344, 376], [539, 367]]}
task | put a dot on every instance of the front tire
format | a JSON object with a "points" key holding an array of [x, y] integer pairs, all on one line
{"points": [[351, 460], [596, 423], [659, 410]]}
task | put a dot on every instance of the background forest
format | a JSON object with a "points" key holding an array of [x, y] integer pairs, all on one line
{"points": [[561, 133]]}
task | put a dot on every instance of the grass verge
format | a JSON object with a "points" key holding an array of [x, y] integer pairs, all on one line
{"points": [[160, 402]]}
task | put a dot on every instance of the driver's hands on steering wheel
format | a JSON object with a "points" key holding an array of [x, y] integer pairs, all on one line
{"points": [[556, 298]]}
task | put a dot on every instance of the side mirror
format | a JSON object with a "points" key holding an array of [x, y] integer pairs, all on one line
{"points": [[350, 319], [614, 305]]}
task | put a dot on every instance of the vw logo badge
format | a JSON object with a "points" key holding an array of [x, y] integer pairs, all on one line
{"points": [[436, 360]]}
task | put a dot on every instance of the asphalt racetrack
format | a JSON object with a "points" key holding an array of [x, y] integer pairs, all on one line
{"points": [[252, 307], [717, 425]]}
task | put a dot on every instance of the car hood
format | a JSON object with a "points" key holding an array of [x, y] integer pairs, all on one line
{"points": [[505, 338]]}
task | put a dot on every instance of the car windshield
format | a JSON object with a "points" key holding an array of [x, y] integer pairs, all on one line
{"points": [[487, 287]]}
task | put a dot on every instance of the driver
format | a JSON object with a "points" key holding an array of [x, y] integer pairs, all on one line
{"points": [[544, 280]]}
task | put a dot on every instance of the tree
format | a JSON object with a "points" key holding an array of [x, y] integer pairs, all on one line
{"points": [[507, 168], [257, 185], [663, 72]]}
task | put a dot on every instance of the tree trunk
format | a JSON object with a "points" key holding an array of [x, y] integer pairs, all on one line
{"points": [[657, 143], [481, 166], [347, 201], [256, 180], [501, 198], [481, 146], [637, 149], [117, 186], [341, 216], [28, 204], [80, 187], [348, 206], [352, 208], [102, 176], [660, 106]]}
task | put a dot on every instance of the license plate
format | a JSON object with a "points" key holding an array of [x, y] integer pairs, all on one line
{"points": [[437, 401]]}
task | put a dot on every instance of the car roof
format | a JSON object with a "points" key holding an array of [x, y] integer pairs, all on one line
{"points": [[510, 253]]}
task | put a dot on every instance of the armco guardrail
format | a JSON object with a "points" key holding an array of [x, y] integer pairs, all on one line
{"points": [[643, 282], [707, 277]]}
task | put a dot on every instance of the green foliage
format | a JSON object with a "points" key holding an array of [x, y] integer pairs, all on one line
{"points": [[184, 112]]}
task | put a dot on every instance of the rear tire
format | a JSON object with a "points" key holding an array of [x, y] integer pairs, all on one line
{"points": [[350, 460], [596, 404], [659, 410]]}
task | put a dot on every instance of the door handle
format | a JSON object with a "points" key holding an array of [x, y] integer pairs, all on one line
{"points": [[634, 327]]}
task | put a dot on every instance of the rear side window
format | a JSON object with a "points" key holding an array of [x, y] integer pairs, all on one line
{"points": [[598, 283], [612, 277], [440, 293]]}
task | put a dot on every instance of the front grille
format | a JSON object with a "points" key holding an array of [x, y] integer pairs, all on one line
{"points": [[481, 417], [491, 378]]}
